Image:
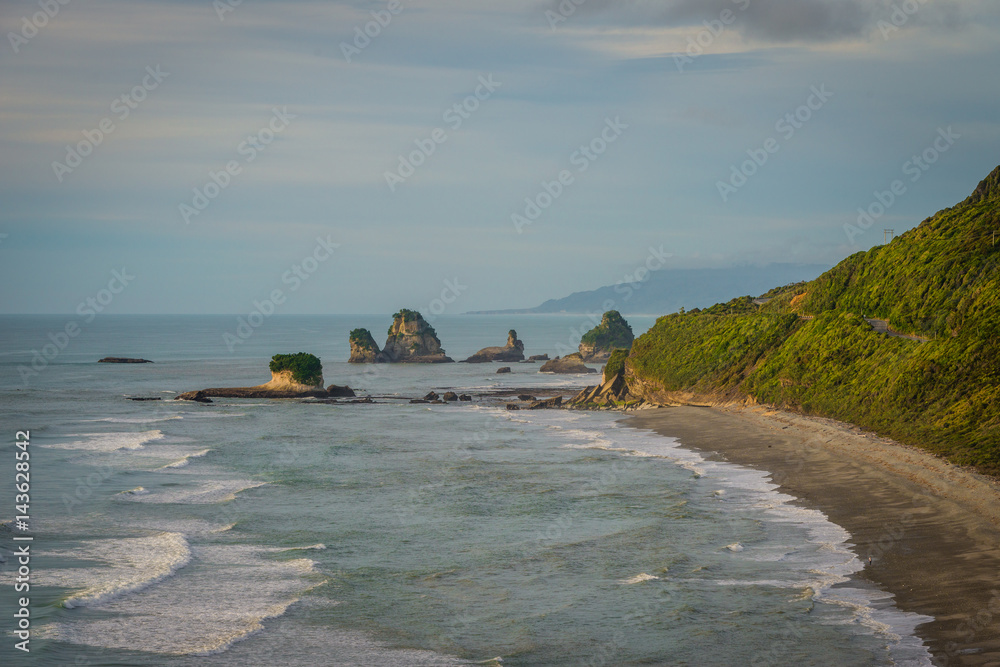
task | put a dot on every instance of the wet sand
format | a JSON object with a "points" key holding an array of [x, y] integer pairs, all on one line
{"points": [[931, 529]]}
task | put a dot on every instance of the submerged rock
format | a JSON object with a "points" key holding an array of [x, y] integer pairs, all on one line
{"points": [[503, 369], [337, 391], [449, 397]]}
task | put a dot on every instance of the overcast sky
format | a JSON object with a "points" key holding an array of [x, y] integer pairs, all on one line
{"points": [[116, 115]]}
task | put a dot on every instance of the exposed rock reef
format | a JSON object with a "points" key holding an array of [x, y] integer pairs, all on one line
{"points": [[411, 341], [364, 349], [613, 333], [512, 351], [123, 360], [571, 364], [292, 376]]}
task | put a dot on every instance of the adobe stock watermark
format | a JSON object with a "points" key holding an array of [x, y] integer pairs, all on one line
{"points": [[564, 10], [294, 277], [38, 20], [88, 310], [363, 35], [900, 16], [786, 126], [122, 107], [449, 294], [248, 149], [915, 168], [712, 30], [581, 158], [223, 7], [455, 116]]}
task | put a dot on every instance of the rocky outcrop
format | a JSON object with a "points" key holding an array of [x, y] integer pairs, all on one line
{"points": [[282, 385], [512, 351], [337, 391], [503, 369], [538, 357], [123, 360], [413, 341], [612, 392], [613, 333], [449, 397], [547, 404], [571, 364], [364, 349]]}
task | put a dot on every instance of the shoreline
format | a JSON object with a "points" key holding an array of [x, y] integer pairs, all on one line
{"points": [[931, 528]]}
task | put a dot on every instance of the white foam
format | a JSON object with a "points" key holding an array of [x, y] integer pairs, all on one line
{"points": [[108, 442], [639, 578], [311, 547], [183, 461], [224, 596], [127, 566], [823, 561], [136, 420], [137, 491], [195, 493]]}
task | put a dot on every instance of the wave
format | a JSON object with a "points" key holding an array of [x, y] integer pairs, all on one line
{"points": [[639, 578], [108, 442], [198, 493], [136, 420], [129, 565], [183, 461], [202, 611]]}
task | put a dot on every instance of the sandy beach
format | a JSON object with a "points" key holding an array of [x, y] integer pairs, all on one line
{"points": [[932, 529]]}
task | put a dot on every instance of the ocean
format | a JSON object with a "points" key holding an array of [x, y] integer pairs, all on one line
{"points": [[253, 532]]}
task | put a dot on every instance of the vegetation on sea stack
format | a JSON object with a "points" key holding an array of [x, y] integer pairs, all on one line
{"points": [[306, 368], [812, 348], [612, 333], [615, 364]]}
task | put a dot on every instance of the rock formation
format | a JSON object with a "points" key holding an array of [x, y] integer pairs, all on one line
{"points": [[292, 376], [503, 369], [364, 349], [538, 357], [123, 360], [412, 340], [512, 351], [611, 334], [612, 392], [337, 391], [571, 364]]}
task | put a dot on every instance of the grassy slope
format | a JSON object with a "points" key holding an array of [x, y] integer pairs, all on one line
{"points": [[939, 280]]}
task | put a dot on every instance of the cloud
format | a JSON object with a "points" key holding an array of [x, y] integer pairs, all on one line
{"points": [[782, 21]]}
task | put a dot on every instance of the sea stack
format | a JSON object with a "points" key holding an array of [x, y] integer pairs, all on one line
{"points": [[292, 376], [364, 349], [412, 340], [512, 351], [613, 333]]}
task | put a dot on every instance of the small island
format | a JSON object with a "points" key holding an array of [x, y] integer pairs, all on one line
{"points": [[613, 333], [292, 376], [512, 351], [123, 360], [411, 341]]}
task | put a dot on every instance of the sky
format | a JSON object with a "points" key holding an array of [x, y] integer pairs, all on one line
{"points": [[358, 157]]}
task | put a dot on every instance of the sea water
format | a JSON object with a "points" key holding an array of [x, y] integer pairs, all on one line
{"points": [[255, 532]]}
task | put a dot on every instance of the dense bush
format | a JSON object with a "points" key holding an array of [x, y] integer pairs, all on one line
{"points": [[306, 368], [939, 280], [612, 333]]}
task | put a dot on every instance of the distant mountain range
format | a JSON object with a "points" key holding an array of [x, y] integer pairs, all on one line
{"points": [[669, 290]]}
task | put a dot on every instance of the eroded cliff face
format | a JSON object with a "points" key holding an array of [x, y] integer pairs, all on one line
{"points": [[283, 381], [412, 340], [364, 349], [512, 351], [653, 392]]}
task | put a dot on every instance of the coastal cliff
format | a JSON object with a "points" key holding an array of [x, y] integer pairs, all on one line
{"points": [[512, 351], [613, 333], [927, 378]]}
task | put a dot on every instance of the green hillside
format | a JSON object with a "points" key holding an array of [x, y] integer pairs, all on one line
{"points": [[811, 349]]}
